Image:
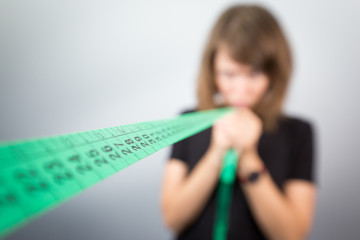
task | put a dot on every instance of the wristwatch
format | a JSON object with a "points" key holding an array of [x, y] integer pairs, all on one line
{"points": [[253, 176]]}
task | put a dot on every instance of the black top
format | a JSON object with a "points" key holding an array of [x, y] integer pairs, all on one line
{"points": [[288, 153]]}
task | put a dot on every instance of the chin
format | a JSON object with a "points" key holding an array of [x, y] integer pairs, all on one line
{"points": [[239, 105]]}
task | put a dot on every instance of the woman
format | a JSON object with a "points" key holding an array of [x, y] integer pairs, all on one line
{"points": [[246, 64]]}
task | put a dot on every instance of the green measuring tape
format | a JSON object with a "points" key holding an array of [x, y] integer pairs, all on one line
{"points": [[37, 175], [227, 179]]}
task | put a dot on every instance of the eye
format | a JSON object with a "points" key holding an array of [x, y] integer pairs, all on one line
{"points": [[255, 72], [227, 74]]}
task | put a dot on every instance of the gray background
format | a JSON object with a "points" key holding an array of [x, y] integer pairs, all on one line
{"points": [[69, 66]]}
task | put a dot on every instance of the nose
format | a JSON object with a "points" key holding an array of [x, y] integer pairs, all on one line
{"points": [[241, 84]]}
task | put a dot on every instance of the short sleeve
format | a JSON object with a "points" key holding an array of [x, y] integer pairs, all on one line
{"points": [[178, 150], [303, 165]]}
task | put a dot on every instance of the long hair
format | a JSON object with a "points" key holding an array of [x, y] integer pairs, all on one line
{"points": [[253, 36]]}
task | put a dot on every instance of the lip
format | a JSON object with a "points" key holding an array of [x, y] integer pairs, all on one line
{"points": [[239, 104]]}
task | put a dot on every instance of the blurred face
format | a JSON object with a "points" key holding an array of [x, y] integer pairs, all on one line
{"points": [[239, 84]]}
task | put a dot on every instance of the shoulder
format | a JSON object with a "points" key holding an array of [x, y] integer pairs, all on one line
{"points": [[296, 124], [188, 110]]}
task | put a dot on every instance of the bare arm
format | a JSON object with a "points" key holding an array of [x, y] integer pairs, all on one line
{"points": [[183, 197], [285, 215], [281, 215]]}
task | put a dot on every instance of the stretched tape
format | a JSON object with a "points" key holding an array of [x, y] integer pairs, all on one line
{"points": [[37, 175]]}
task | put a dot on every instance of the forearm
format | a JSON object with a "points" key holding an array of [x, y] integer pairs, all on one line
{"points": [[269, 205], [196, 190]]}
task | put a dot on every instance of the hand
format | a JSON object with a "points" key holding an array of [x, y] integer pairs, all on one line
{"points": [[247, 129], [239, 130], [220, 137]]}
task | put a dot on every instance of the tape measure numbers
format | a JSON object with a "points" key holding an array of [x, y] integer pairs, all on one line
{"points": [[37, 175]]}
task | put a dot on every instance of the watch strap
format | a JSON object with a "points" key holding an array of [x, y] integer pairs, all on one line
{"points": [[252, 176]]}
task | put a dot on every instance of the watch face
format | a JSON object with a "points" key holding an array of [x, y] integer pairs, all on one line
{"points": [[253, 176]]}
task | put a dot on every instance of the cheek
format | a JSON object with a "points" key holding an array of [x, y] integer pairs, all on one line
{"points": [[223, 86], [260, 87]]}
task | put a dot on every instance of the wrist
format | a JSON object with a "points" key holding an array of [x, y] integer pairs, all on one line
{"points": [[217, 151], [252, 176], [214, 156], [247, 151], [249, 162]]}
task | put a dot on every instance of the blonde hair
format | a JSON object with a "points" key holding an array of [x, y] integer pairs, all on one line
{"points": [[254, 37]]}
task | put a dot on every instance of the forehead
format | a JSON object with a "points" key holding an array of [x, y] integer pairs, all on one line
{"points": [[224, 60]]}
